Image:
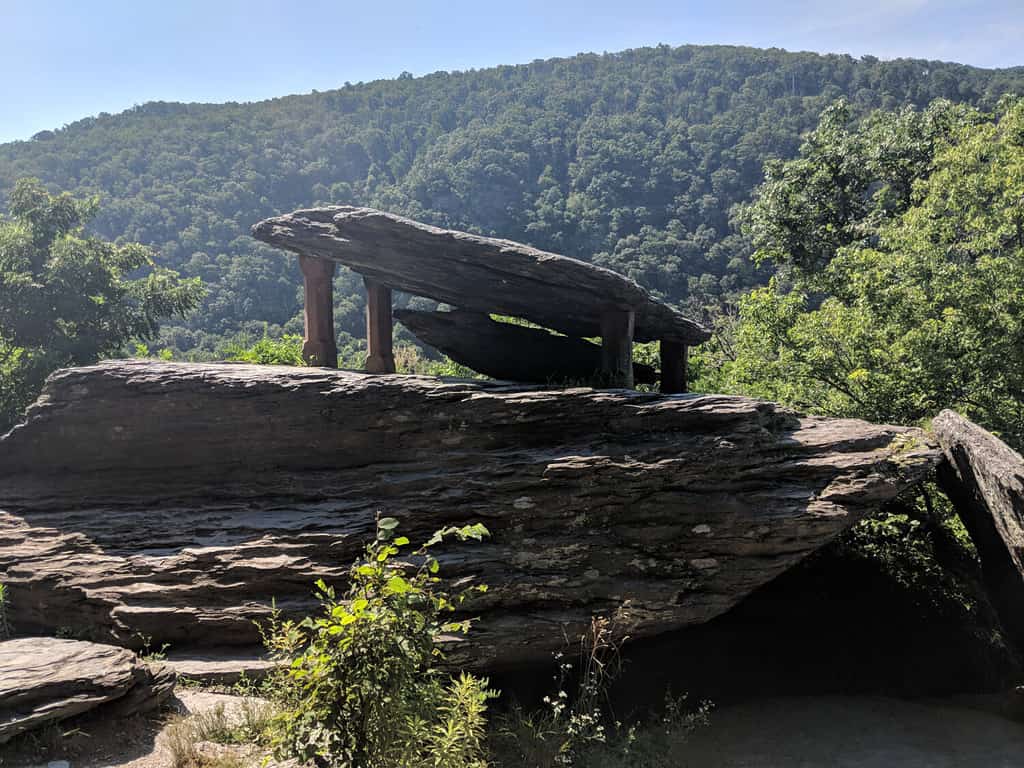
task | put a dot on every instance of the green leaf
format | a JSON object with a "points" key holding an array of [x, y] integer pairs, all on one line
{"points": [[396, 585]]}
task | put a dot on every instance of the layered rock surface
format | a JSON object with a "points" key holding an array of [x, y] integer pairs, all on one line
{"points": [[176, 501], [45, 679], [984, 478], [482, 274]]}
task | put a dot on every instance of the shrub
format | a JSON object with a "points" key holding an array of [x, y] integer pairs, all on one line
{"points": [[363, 688], [267, 351]]}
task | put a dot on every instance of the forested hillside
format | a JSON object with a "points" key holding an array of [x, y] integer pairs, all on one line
{"points": [[633, 160]]}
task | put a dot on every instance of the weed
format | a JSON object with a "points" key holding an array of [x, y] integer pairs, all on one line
{"points": [[148, 652], [5, 625], [362, 686], [579, 728], [246, 723]]}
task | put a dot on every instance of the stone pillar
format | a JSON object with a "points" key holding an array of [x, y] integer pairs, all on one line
{"points": [[674, 358], [319, 347], [379, 327], [617, 347]]}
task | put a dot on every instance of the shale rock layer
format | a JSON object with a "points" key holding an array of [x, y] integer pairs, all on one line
{"points": [[177, 500], [45, 680]]}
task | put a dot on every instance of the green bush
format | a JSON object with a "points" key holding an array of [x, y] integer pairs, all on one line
{"points": [[286, 350], [362, 688]]}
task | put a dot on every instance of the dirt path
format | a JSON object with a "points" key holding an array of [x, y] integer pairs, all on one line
{"points": [[96, 742], [854, 732]]}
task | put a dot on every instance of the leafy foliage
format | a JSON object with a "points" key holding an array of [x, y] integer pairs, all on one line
{"points": [[634, 160], [922, 548], [67, 297], [915, 303], [847, 183], [362, 687], [286, 350]]}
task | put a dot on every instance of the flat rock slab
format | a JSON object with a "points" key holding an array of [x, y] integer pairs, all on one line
{"points": [[220, 666], [45, 679], [984, 478], [177, 501], [478, 273]]}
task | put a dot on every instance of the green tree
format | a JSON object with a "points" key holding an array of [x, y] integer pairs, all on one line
{"points": [[634, 160], [69, 298], [911, 304]]}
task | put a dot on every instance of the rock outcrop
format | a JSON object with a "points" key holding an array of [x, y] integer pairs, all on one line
{"points": [[482, 274], [511, 352], [45, 680], [177, 500], [984, 478]]}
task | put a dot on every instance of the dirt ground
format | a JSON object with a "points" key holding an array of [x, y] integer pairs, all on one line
{"points": [[97, 742], [855, 732], [810, 732]]}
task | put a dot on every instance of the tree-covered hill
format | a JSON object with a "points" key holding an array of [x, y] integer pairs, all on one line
{"points": [[633, 160]]}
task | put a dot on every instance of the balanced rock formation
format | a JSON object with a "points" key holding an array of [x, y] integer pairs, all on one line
{"points": [[511, 352], [177, 500], [984, 478], [483, 274], [45, 680]]}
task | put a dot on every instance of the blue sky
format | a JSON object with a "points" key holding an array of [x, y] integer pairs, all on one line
{"points": [[61, 60]]}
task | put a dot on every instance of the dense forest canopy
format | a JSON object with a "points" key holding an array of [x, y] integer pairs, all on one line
{"points": [[635, 160]]}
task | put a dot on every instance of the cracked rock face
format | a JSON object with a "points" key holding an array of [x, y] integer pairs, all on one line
{"points": [[177, 500]]}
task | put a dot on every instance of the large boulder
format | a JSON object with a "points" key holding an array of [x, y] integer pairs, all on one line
{"points": [[45, 680], [175, 501], [984, 478]]}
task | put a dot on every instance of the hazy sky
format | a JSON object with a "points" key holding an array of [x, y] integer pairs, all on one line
{"points": [[61, 60]]}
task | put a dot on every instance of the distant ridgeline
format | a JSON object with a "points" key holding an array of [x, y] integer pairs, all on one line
{"points": [[631, 160]]}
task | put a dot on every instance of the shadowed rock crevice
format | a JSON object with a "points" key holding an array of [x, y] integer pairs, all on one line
{"points": [[511, 352]]}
